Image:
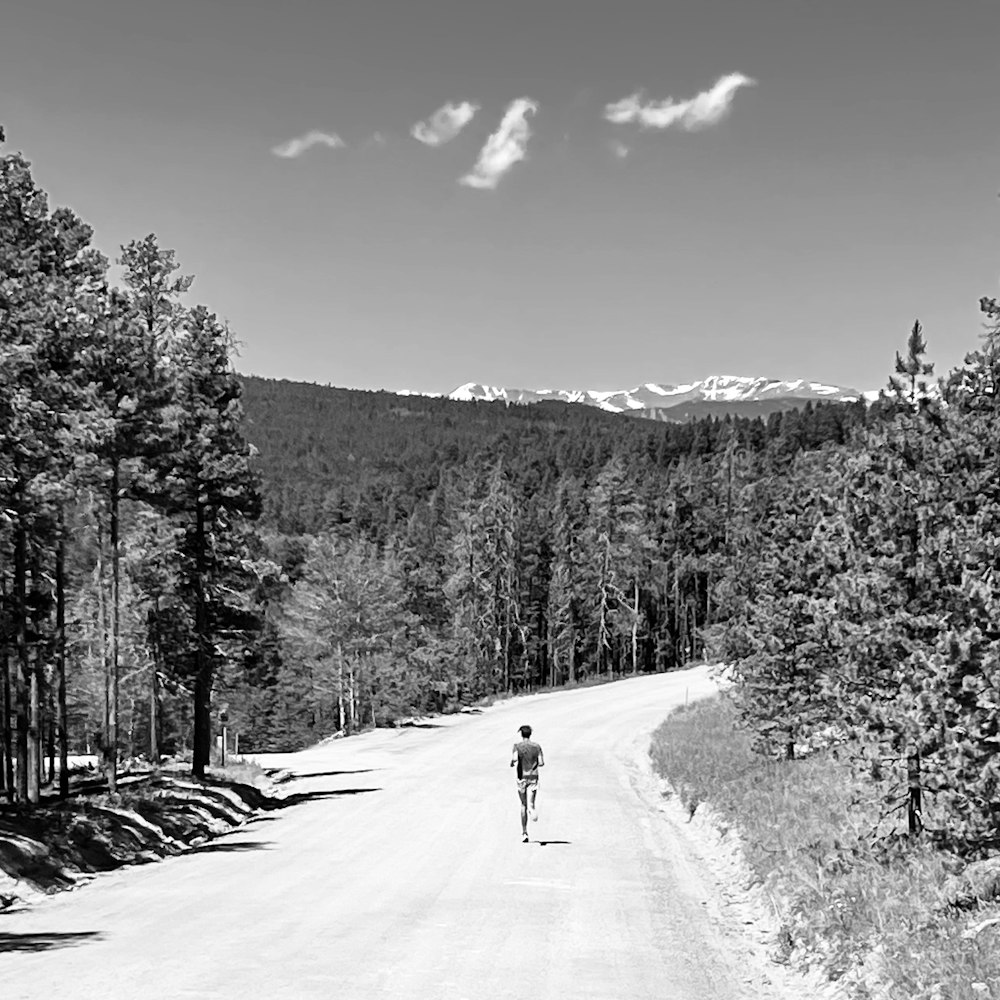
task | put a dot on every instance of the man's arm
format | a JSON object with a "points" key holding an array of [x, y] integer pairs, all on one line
{"points": [[513, 755], [541, 758]]}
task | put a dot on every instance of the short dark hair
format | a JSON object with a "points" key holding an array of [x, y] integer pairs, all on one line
{"points": [[526, 731]]}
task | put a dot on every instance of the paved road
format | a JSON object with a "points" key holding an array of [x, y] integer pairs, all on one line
{"points": [[404, 876]]}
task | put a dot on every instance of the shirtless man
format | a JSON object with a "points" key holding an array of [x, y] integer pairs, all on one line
{"points": [[527, 758]]}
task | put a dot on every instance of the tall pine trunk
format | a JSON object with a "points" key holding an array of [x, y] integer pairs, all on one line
{"points": [[113, 645], [154, 717], [340, 689], [6, 742], [35, 697], [351, 697], [7, 707], [109, 736], [635, 630], [154, 690], [203, 663], [603, 646], [23, 659], [62, 736]]}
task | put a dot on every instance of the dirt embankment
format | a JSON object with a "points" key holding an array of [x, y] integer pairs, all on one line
{"points": [[58, 845]]}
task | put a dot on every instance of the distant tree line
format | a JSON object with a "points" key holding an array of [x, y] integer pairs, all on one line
{"points": [[503, 548]]}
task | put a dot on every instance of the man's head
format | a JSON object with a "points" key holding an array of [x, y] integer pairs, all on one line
{"points": [[526, 732]]}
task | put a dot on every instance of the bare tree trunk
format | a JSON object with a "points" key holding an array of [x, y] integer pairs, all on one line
{"points": [[6, 736], [602, 635], [635, 630], [678, 643], [506, 644], [340, 689], [201, 751], [352, 704], [35, 699], [34, 761], [154, 716], [50, 712], [131, 726], [61, 712], [201, 754], [109, 739], [6, 743], [154, 690], [112, 740], [23, 659]]}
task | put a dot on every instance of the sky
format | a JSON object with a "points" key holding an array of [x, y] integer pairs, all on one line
{"points": [[415, 194]]}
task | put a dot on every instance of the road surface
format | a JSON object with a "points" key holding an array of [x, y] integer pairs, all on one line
{"points": [[401, 874]]}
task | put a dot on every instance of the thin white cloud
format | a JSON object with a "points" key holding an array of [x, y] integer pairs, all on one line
{"points": [[505, 147], [707, 108], [620, 149], [444, 124], [296, 147]]}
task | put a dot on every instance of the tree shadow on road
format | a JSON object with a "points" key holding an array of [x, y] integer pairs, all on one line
{"points": [[45, 942], [335, 774], [231, 847], [298, 798], [545, 843]]}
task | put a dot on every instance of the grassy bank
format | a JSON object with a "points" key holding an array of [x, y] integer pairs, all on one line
{"points": [[874, 908]]}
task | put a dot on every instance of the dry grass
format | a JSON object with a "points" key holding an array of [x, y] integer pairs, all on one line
{"points": [[241, 772], [854, 894]]}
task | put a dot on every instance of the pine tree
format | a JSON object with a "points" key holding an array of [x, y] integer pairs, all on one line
{"points": [[206, 484], [913, 367]]}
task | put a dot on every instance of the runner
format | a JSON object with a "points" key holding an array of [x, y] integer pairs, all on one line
{"points": [[527, 757]]}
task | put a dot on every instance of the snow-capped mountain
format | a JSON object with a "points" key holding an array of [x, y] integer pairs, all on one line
{"points": [[718, 394]]}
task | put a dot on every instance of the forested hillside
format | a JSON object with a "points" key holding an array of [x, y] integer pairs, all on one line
{"points": [[505, 548]]}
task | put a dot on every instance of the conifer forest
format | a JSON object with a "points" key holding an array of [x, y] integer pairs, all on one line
{"points": [[183, 547]]}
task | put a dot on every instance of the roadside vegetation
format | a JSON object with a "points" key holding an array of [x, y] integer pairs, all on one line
{"points": [[886, 914], [59, 844]]}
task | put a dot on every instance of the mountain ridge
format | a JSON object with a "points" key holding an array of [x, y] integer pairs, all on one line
{"points": [[713, 395]]}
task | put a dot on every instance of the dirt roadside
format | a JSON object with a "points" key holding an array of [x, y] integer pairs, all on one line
{"points": [[713, 862], [61, 845]]}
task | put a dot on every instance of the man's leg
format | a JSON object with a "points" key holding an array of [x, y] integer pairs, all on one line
{"points": [[522, 793], [532, 800]]}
